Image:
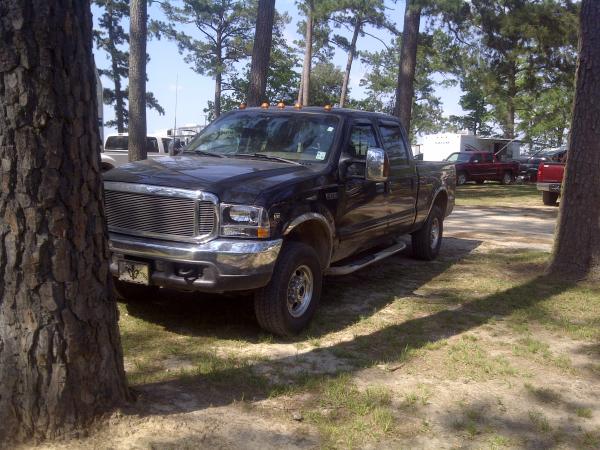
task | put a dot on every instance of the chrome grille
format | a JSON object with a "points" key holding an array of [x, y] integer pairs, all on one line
{"points": [[167, 217]]}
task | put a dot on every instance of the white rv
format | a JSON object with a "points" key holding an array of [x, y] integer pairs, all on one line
{"points": [[437, 147]]}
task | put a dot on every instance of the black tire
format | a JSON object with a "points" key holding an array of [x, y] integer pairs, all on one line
{"points": [[480, 181], [271, 306], [549, 198], [461, 178], [507, 178], [423, 245], [135, 292]]}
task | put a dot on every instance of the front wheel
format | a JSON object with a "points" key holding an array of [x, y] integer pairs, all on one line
{"points": [[287, 304], [461, 178], [549, 198], [507, 178], [426, 242]]}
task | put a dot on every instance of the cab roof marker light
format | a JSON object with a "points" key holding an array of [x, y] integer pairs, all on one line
{"points": [[327, 108], [297, 106], [243, 105], [281, 105], [265, 105]]}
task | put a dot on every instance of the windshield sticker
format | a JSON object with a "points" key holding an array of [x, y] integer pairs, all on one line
{"points": [[330, 129], [320, 156]]}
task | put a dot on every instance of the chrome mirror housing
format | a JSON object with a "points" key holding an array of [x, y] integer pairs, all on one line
{"points": [[377, 164]]}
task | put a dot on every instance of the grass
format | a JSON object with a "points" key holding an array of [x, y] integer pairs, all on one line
{"points": [[484, 319], [495, 194], [348, 417]]}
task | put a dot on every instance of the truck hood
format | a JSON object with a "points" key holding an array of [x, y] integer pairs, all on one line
{"points": [[236, 180]]}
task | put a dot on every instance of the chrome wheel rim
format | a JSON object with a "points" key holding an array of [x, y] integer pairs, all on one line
{"points": [[434, 236], [299, 291], [507, 178], [462, 179]]}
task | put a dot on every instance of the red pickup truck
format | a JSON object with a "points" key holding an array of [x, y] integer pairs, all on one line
{"points": [[482, 166], [549, 180]]}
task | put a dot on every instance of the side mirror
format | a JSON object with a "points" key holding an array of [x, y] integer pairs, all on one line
{"points": [[175, 147], [378, 165]]}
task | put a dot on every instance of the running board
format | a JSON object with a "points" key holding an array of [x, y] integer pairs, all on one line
{"points": [[365, 261]]}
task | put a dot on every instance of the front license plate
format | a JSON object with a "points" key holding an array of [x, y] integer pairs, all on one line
{"points": [[134, 272], [555, 188]]}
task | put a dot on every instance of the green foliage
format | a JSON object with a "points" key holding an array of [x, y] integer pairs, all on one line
{"points": [[283, 78], [325, 84], [112, 38], [381, 80], [518, 60]]}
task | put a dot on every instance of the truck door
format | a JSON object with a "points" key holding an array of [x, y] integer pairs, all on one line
{"points": [[403, 179], [364, 211]]}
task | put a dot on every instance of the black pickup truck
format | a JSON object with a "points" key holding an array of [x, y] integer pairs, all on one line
{"points": [[270, 200]]}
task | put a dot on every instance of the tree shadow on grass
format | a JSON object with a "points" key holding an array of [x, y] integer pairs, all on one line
{"points": [[345, 300], [222, 387]]}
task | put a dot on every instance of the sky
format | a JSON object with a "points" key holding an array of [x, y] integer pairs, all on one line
{"points": [[167, 69]]}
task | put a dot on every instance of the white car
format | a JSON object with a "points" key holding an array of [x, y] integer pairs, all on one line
{"points": [[115, 151]]}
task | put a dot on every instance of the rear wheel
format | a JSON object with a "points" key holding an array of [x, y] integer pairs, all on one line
{"points": [[426, 242], [287, 304], [549, 198], [507, 178], [135, 292], [461, 178], [480, 181]]}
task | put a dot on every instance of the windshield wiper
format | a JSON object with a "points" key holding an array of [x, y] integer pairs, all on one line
{"points": [[265, 156], [205, 153]]}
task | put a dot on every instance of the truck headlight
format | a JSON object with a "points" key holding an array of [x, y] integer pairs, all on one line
{"points": [[244, 221]]}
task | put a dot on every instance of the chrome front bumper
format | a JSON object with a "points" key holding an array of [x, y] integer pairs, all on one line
{"points": [[221, 265]]}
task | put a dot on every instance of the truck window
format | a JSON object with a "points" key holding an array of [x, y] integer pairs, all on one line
{"points": [[393, 143], [117, 143], [487, 158], [361, 139], [151, 145]]}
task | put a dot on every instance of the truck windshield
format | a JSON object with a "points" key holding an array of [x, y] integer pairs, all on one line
{"points": [[295, 137], [459, 157]]}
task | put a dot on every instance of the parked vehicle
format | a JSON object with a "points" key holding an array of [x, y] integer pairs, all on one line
{"points": [[115, 151], [529, 165], [270, 200], [482, 166], [549, 181]]}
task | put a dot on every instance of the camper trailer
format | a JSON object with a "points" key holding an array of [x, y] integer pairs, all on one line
{"points": [[437, 147]]}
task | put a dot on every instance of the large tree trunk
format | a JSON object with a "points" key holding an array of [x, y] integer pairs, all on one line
{"points": [[61, 362], [351, 53], [137, 79], [577, 246], [408, 62], [261, 52], [304, 93], [119, 103]]}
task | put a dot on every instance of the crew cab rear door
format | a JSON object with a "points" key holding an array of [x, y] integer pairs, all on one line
{"points": [[403, 179]]}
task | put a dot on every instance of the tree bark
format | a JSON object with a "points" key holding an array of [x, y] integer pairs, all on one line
{"points": [[408, 62], [261, 52], [119, 103], [304, 93], [218, 75], [61, 361], [576, 252], [351, 54], [138, 32]]}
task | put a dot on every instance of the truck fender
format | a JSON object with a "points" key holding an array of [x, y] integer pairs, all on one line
{"points": [[434, 198], [327, 237], [107, 162]]}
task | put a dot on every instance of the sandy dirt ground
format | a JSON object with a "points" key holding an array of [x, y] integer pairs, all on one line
{"points": [[198, 415]]}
